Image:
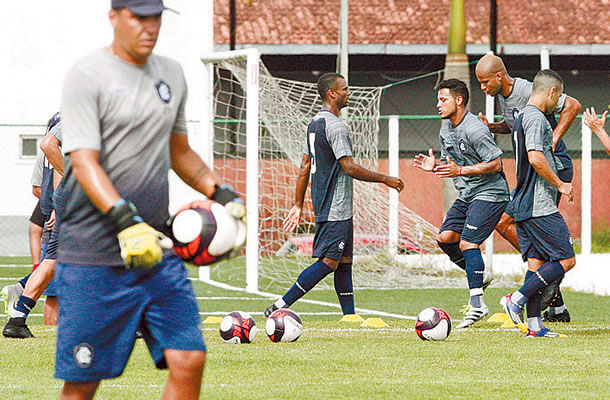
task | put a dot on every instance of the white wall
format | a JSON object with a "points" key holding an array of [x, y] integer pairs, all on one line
{"points": [[42, 39]]}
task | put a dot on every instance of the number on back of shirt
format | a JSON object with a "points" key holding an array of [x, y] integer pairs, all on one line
{"points": [[312, 151]]}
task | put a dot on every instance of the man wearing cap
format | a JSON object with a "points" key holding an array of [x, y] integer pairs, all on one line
{"points": [[124, 127]]}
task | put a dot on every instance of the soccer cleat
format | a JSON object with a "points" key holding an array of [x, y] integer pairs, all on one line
{"points": [[16, 328], [563, 316], [549, 294], [543, 333], [472, 315], [488, 276], [10, 295], [269, 310], [514, 312]]}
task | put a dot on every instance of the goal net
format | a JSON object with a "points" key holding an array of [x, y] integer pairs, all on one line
{"points": [[285, 108]]}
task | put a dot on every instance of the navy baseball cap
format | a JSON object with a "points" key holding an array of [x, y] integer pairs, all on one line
{"points": [[142, 8]]}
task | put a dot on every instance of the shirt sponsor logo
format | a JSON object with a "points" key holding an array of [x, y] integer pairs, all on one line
{"points": [[164, 92], [474, 228], [83, 355]]}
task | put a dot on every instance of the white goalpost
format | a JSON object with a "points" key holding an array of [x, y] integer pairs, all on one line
{"points": [[256, 127]]}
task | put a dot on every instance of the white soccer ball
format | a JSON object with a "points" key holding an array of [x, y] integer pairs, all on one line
{"points": [[433, 323], [284, 325], [204, 232]]}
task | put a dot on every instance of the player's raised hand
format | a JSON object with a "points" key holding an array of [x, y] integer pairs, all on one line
{"points": [[566, 189], [448, 170], [425, 162], [592, 121], [293, 219], [483, 119]]}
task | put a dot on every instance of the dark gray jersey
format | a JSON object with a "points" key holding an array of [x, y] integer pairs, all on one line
{"points": [[127, 113], [328, 140], [470, 143]]}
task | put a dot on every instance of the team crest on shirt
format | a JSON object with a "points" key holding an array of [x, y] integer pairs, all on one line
{"points": [[463, 146], [341, 245], [515, 113], [164, 92], [83, 355]]}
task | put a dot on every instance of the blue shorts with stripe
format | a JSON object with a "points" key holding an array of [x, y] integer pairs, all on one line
{"points": [[545, 238], [101, 308], [475, 221], [334, 239]]}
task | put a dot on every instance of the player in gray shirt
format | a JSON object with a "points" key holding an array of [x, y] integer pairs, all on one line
{"points": [[544, 238], [124, 128], [513, 94], [328, 159], [473, 161]]}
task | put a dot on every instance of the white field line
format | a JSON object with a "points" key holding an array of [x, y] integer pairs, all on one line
{"points": [[320, 303]]}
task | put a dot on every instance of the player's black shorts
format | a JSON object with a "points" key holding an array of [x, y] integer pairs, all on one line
{"points": [[545, 238], [334, 239], [475, 221], [37, 217]]}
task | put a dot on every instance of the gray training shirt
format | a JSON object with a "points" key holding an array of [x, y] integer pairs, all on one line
{"points": [[517, 99], [468, 143], [539, 136], [127, 113]]}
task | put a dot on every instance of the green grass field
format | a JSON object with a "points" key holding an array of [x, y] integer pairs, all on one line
{"points": [[339, 360]]}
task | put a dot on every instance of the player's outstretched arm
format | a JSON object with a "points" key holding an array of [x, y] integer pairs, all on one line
{"points": [[539, 163], [451, 169], [293, 219], [187, 164], [425, 162], [597, 126], [356, 171], [495, 127], [570, 111]]}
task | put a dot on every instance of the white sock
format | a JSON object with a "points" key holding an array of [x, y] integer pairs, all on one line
{"points": [[535, 324], [280, 303]]}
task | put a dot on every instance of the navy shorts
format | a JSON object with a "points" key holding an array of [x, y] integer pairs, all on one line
{"points": [[37, 218], [334, 239], [475, 221], [49, 251], [101, 308], [545, 238]]}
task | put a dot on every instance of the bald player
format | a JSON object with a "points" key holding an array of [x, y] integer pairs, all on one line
{"points": [[513, 95]]}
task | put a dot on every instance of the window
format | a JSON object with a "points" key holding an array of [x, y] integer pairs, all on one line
{"points": [[29, 146]]}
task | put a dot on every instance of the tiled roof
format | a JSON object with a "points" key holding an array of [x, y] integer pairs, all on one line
{"points": [[276, 22]]}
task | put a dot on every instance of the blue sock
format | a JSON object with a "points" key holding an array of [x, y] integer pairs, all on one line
{"points": [[534, 306], [474, 268], [306, 281], [23, 281], [344, 287], [454, 253], [548, 273], [23, 307]]}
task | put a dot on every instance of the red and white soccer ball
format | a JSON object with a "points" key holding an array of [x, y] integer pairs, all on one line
{"points": [[238, 327], [284, 325], [433, 324], [204, 232]]}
